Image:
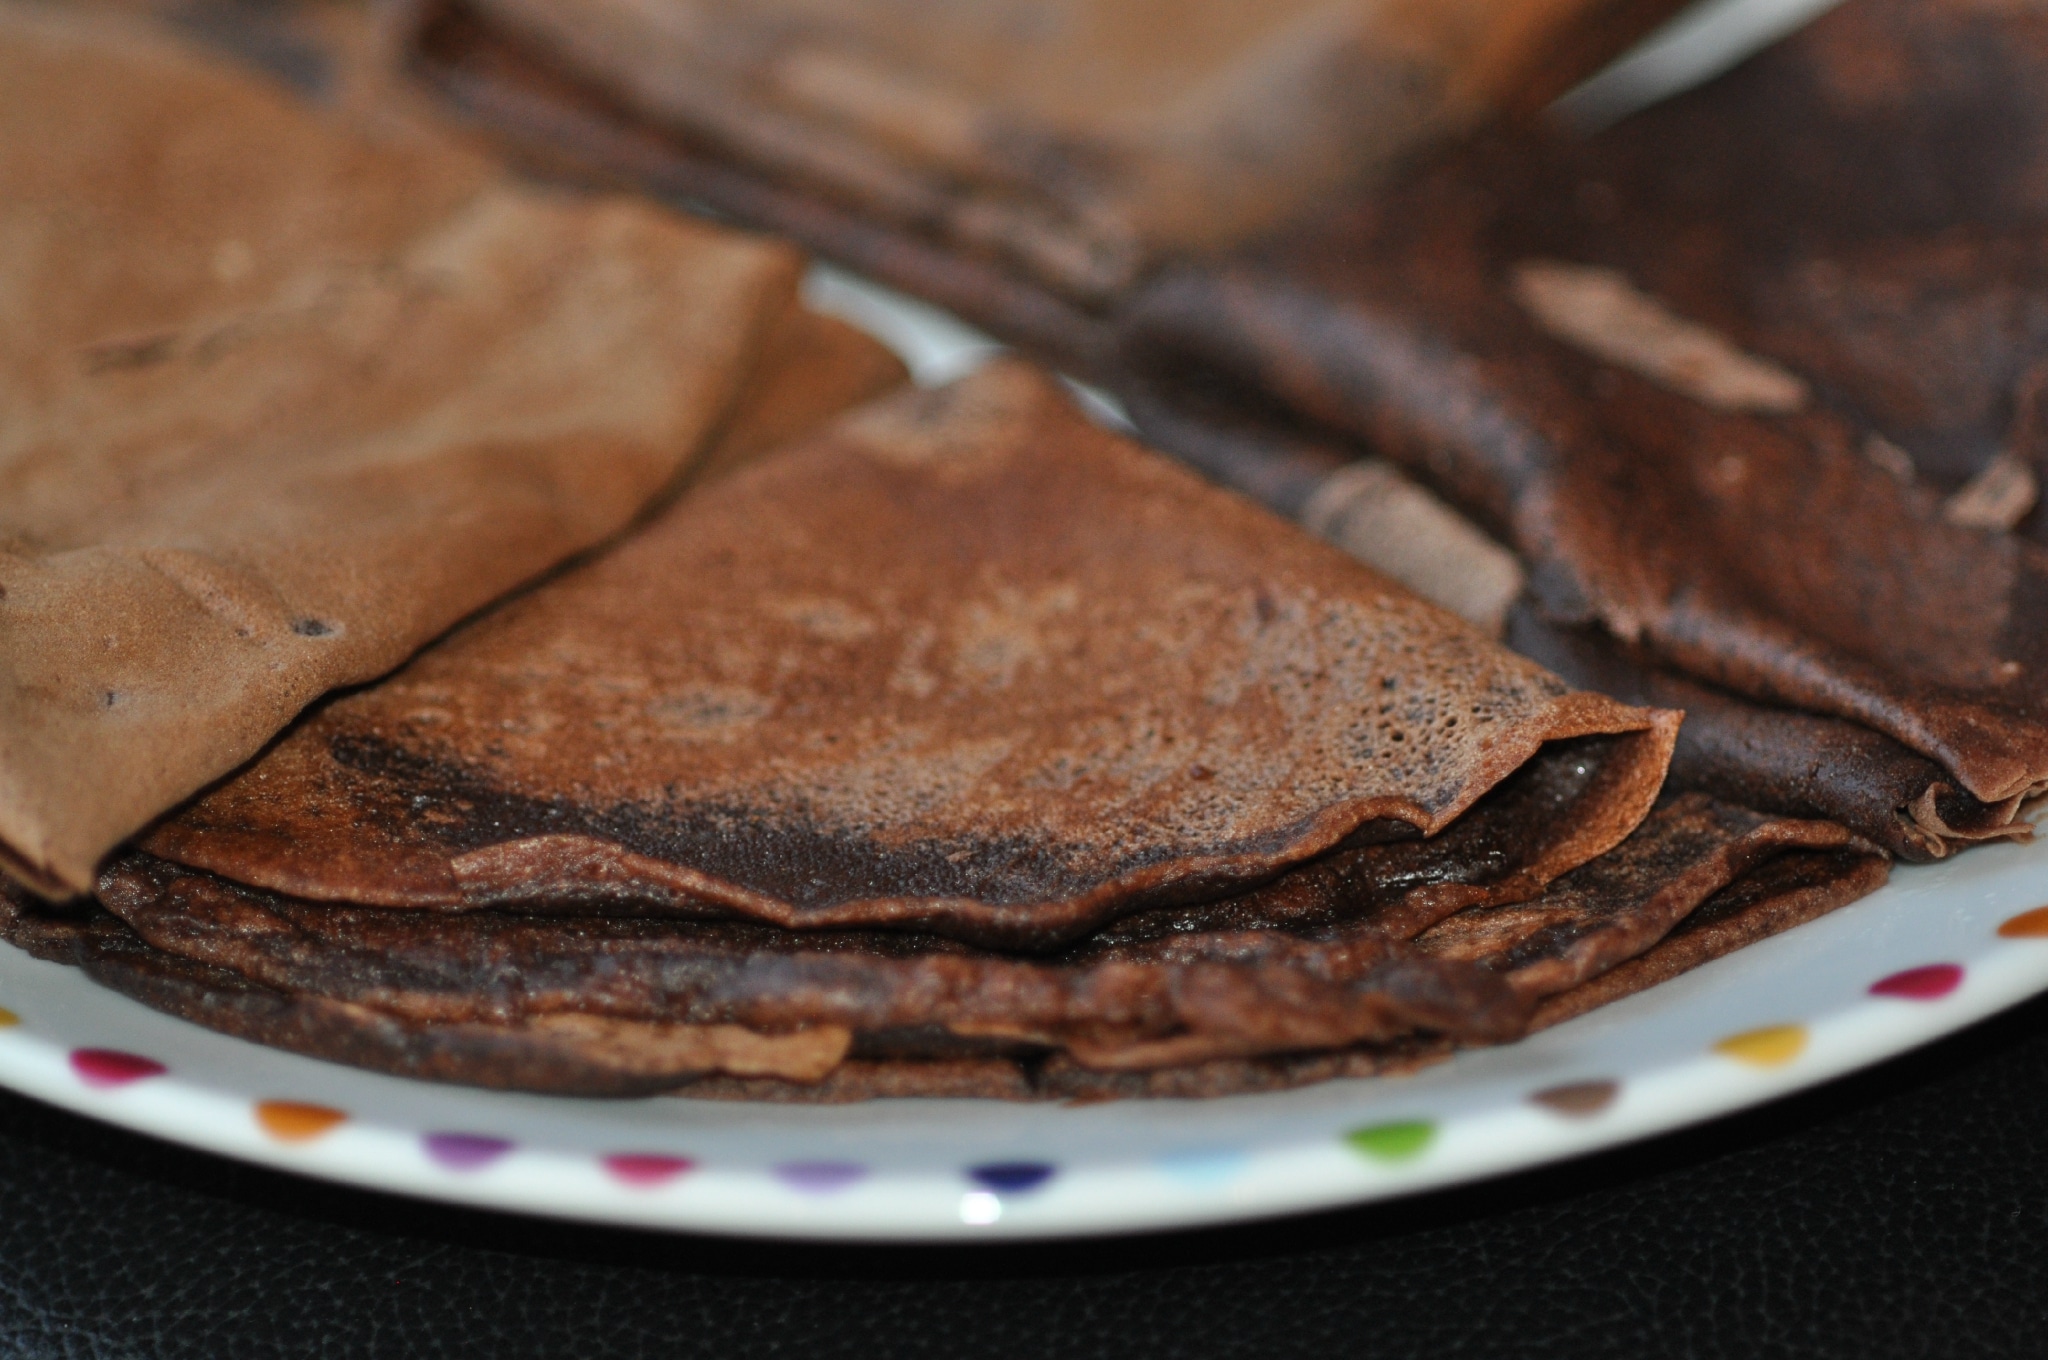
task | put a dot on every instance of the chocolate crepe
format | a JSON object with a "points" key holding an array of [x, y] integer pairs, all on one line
{"points": [[1760, 756], [1780, 760], [1703, 494], [1070, 139], [1191, 1003], [1022, 161], [1867, 204], [285, 400], [965, 663]]}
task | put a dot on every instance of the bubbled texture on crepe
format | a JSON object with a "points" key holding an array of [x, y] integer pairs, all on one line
{"points": [[964, 662], [285, 400]]}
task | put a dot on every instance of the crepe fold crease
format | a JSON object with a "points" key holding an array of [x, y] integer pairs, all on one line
{"points": [[286, 399], [1675, 368]]}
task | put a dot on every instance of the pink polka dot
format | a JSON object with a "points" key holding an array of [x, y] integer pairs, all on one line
{"points": [[646, 1168], [107, 1068], [1930, 983]]}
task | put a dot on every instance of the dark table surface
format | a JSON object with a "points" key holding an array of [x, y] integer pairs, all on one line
{"points": [[1902, 1211]]}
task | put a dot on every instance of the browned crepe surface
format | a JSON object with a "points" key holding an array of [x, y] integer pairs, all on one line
{"points": [[1300, 963], [1791, 890], [1867, 202], [286, 399], [1071, 141], [1728, 517], [1778, 759], [622, 1007], [964, 662], [1756, 755]]}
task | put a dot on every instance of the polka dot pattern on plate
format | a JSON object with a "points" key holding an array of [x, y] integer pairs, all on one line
{"points": [[1929, 983], [1771, 1046], [1578, 1099], [294, 1121], [646, 1169], [1397, 1142], [2028, 925], [465, 1151], [105, 1069], [819, 1178], [1010, 1178]]}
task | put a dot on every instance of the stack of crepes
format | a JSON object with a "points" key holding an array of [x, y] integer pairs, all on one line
{"points": [[1737, 407], [947, 745]]}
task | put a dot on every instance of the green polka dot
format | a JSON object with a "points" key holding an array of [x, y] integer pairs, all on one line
{"points": [[1393, 1142]]}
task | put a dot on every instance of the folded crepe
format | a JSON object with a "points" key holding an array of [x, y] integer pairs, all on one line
{"points": [[285, 399], [961, 748], [1024, 161], [1867, 205], [964, 662], [1759, 756], [1676, 415]]}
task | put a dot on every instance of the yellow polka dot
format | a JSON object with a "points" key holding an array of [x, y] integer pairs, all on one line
{"points": [[8, 1017], [290, 1121], [1773, 1046]]}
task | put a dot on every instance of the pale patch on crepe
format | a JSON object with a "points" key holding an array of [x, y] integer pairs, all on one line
{"points": [[1601, 312], [1384, 519], [1998, 497]]}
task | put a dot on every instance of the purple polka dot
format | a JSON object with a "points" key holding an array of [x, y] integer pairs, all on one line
{"points": [[819, 1178], [465, 1151], [1011, 1178]]}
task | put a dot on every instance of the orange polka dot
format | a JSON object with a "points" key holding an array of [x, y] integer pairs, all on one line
{"points": [[290, 1121], [1772, 1046], [8, 1018], [2028, 925]]}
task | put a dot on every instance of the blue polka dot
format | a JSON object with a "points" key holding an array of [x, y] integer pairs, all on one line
{"points": [[1011, 1178]]}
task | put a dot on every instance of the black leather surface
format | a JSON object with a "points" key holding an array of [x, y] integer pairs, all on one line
{"points": [[1900, 1212]]}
